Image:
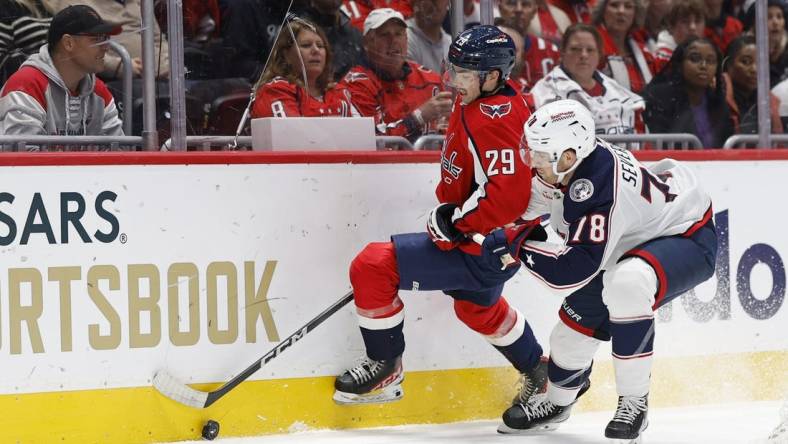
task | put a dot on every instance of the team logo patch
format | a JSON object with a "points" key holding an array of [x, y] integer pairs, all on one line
{"points": [[493, 111], [581, 190]]}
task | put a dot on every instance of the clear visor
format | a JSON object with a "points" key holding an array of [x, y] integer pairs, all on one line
{"points": [[454, 77], [534, 159]]}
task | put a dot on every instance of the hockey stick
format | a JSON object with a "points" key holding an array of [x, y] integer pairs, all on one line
{"points": [[174, 389]]}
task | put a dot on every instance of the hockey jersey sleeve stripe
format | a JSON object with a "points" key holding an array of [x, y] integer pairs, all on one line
{"points": [[472, 203]]}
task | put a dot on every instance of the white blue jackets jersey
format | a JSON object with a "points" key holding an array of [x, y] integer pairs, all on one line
{"points": [[611, 205]]}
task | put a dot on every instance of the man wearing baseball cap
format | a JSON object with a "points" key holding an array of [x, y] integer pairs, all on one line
{"points": [[56, 91], [405, 99]]}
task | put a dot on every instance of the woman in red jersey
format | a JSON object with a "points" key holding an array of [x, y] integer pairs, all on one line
{"points": [[297, 82]]}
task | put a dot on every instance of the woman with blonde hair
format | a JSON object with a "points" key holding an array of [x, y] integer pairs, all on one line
{"points": [[298, 80], [23, 29]]}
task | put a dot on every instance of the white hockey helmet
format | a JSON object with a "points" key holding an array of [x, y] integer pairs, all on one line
{"points": [[557, 127]]}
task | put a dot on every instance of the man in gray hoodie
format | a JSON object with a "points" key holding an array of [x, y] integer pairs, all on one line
{"points": [[56, 91]]}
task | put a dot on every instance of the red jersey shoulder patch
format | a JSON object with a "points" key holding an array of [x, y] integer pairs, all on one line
{"points": [[495, 111]]}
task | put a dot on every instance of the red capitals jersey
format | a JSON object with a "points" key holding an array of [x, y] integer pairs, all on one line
{"points": [[540, 56], [358, 10], [577, 11], [723, 35], [280, 98], [482, 169], [391, 101]]}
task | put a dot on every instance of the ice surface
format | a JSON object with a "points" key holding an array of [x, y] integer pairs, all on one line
{"points": [[736, 423]]}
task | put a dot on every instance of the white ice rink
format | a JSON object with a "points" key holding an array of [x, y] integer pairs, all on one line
{"points": [[738, 423]]}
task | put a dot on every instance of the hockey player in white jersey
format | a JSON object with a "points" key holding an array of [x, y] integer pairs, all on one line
{"points": [[634, 238]]}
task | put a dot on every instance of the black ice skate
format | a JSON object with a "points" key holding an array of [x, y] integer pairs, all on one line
{"points": [[537, 415], [532, 382], [630, 420], [370, 382]]}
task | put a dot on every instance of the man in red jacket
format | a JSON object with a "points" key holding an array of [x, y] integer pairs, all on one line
{"points": [[405, 98], [485, 184]]}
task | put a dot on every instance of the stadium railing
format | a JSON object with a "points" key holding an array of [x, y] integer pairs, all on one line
{"points": [[751, 140], [76, 143], [208, 143], [126, 106], [628, 141]]}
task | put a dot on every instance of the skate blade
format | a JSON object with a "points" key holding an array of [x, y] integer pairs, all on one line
{"points": [[506, 430], [390, 393], [638, 440]]}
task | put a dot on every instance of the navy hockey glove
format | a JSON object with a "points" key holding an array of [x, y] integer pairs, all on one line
{"points": [[441, 228], [501, 248]]}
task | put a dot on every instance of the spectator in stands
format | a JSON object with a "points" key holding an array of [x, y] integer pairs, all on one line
{"points": [[686, 18], [23, 30], [517, 14], [126, 13], [741, 82], [549, 23], [404, 98], [428, 43], [654, 23], [248, 31], [535, 58], [519, 82], [56, 91], [721, 27], [778, 37], [358, 10], [781, 92], [616, 109], [688, 95], [625, 59], [284, 92], [343, 37], [201, 19], [578, 11]]}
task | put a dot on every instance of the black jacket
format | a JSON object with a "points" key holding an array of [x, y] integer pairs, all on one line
{"points": [[668, 111]]}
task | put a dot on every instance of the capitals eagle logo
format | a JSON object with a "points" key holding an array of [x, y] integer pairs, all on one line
{"points": [[493, 111]]}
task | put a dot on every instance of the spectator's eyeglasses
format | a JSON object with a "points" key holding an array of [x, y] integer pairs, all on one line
{"points": [[96, 39], [699, 59]]}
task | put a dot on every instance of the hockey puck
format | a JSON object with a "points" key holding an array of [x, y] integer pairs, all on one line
{"points": [[210, 430]]}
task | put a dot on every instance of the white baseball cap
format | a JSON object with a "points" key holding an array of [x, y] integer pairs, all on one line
{"points": [[377, 17]]}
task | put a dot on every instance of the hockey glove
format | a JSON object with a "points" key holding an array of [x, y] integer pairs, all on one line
{"points": [[441, 228], [504, 244]]}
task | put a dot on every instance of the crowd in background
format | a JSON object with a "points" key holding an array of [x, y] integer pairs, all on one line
{"points": [[658, 66]]}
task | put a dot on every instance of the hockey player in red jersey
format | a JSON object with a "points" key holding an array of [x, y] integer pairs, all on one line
{"points": [[481, 167]]}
